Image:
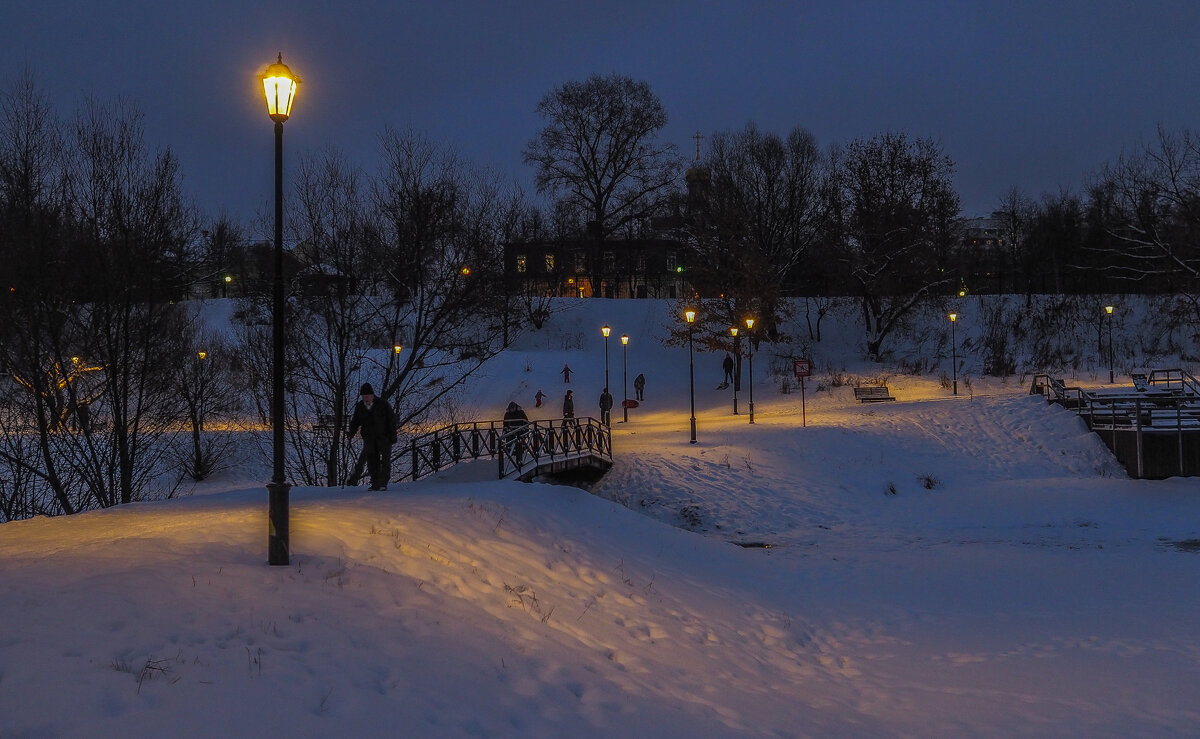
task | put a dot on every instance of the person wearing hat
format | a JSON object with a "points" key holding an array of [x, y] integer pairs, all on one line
{"points": [[373, 417]]}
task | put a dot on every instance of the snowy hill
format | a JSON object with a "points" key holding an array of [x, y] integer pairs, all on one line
{"points": [[937, 566]]}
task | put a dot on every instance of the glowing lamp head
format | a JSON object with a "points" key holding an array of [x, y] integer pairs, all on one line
{"points": [[690, 315], [624, 338], [733, 330], [749, 324], [1108, 309], [279, 85], [953, 317], [465, 271], [397, 349], [202, 355], [228, 278], [605, 330]]}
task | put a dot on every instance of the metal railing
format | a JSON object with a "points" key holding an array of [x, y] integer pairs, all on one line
{"points": [[1152, 430], [518, 450]]}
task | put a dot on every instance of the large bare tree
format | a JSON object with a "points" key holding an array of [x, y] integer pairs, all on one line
{"points": [[893, 213], [599, 151]]}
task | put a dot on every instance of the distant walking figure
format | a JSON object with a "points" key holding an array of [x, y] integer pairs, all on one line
{"points": [[606, 401], [727, 365], [538, 399], [639, 385], [566, 373], [569, 408]]}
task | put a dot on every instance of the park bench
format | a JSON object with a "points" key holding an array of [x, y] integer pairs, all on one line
{"points": [[872, 394]]}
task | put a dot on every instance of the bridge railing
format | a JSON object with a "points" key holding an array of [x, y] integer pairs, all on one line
{"points": [[515, 449]]}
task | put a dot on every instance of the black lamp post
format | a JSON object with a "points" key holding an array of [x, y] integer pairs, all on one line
{"points": [[280, 85], [1109, 310], [750, 356], [954, 351], [733, 331], [606, 330], [625, 378], [690, 315]]}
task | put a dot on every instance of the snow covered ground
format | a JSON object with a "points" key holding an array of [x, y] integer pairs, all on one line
{"points": [[938, 566]]}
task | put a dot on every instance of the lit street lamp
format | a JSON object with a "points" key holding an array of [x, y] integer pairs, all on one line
{"points": [[733, 330], [279, 85], [750, 345], [625, 379], [954, 351], [1109, 310], [690, 315], [606, 331]]}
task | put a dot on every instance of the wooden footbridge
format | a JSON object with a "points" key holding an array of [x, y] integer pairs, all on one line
{"points": [[554, 447], [1153, 427]]}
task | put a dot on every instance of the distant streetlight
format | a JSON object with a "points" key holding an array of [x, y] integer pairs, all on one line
{"points": [[202, 355], [690, 315], [625, 380], [954, 351], [750, 346], [733, 331], [225, 287], [606, 330], [1109, 310], [279, 86]]}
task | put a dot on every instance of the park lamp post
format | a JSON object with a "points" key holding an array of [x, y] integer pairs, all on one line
{"points": [[954, 351], [1108, 309], [606, 330], [279, 86], [733, 331], [690, 315], [750, 353], [625, 378]]}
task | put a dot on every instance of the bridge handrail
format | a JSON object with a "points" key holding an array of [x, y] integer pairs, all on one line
{"points": [[514, 448]]}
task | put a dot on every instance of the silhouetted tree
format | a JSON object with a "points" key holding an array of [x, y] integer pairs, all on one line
{"points": [[598, 151], [893, 222]]}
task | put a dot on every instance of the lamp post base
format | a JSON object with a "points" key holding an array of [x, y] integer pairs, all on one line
{"points": [[693, 430], [277, 516]]}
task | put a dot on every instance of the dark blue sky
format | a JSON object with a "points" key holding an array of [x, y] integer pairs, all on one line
{"points": [[1032, 94]]}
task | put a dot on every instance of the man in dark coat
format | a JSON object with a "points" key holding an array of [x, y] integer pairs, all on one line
{"points": [[606, 401], [374, 417], [515, 430], [727, 365], [639, 386]]}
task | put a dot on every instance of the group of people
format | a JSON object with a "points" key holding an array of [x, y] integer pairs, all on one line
{"points": [[606, 398]]}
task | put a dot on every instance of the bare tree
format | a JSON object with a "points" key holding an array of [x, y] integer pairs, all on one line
{"points": [[1150, 200], [757, 220], [893, 213], [598, 151]]}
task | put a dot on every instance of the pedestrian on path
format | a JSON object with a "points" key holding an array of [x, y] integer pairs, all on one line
{"points": [[566, 373], [606, 402], [639, 386]]}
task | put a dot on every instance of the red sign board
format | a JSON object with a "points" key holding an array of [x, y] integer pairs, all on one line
{"points": [[802, 367]]}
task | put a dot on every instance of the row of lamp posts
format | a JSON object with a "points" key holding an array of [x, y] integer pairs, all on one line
{"points": [[690, 316]]}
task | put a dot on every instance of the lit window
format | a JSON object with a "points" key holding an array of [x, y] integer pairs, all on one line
{"points": [[549, 262], [521, 265]]}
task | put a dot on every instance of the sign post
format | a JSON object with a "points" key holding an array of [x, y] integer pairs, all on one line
{"points": [[802, 368]]}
